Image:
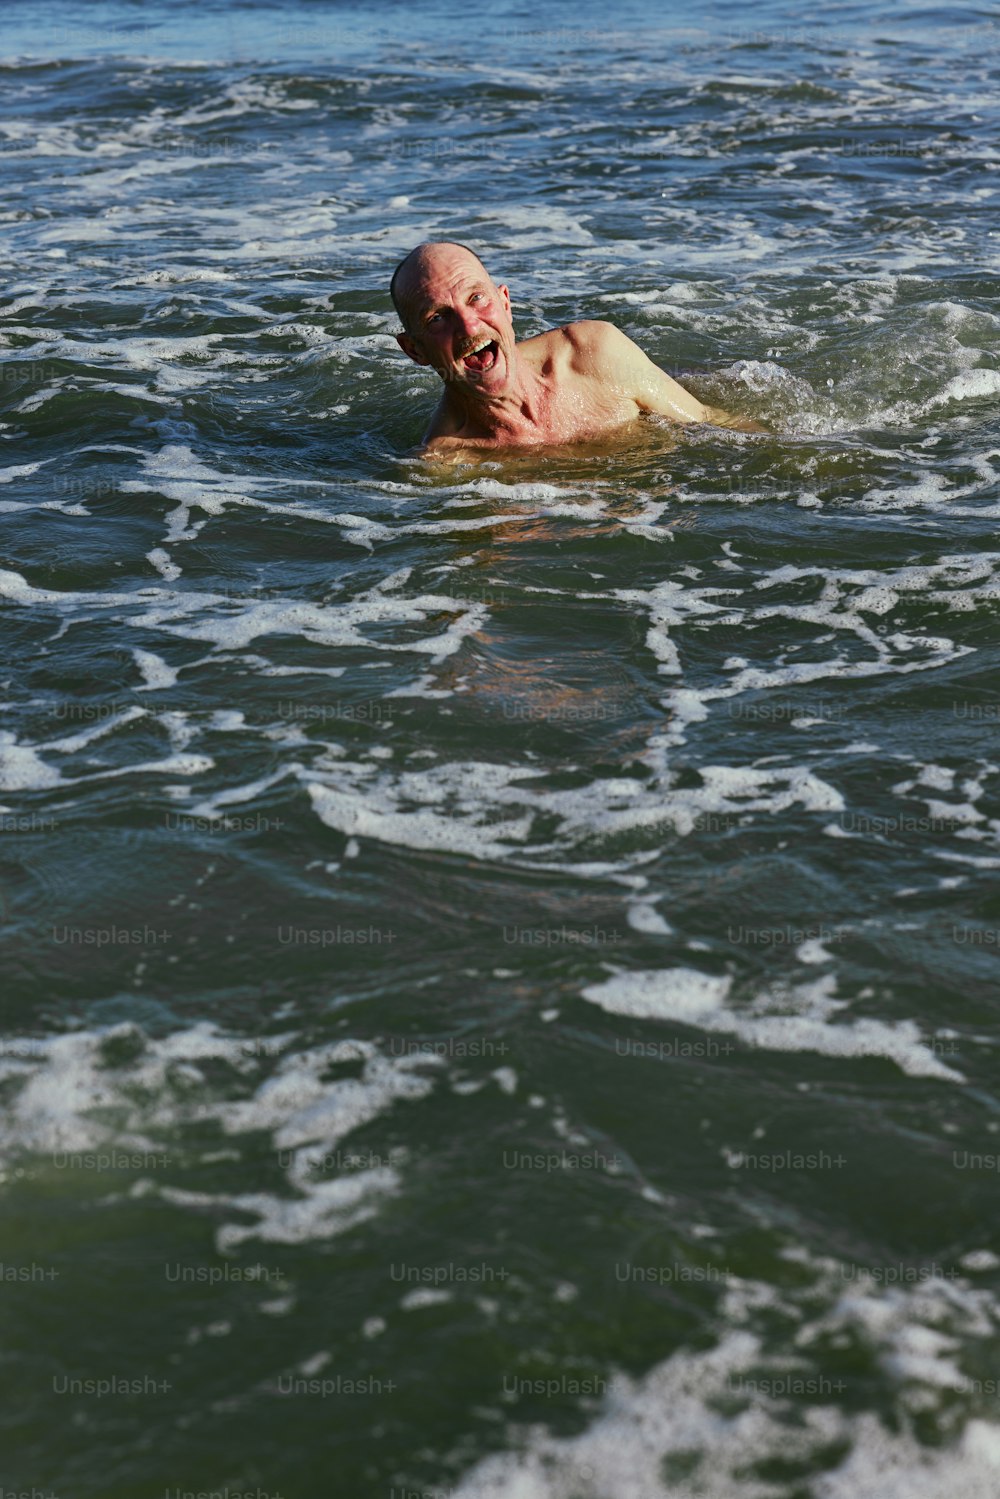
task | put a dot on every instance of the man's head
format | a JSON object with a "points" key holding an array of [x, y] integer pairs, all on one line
{"points": [[450, 309]]}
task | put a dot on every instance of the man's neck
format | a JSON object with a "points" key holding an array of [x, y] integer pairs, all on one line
{"points": [[515, 410]]}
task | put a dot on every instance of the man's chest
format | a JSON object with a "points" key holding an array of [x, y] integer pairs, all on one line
{"points": [[575, 409]]}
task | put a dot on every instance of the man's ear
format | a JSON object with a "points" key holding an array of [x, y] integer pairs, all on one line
{"points": [[505, 294], [409, 346]]}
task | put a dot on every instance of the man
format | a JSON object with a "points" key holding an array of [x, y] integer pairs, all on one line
{"points": [[567, 384]]}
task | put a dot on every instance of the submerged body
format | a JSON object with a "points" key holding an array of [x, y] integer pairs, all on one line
{"points": [[566, 385]]}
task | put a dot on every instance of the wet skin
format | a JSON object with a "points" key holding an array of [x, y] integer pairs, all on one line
{"points": [[566, 385]]}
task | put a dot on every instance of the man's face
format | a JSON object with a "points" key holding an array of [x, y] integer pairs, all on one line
{"points": [[458, 321]]}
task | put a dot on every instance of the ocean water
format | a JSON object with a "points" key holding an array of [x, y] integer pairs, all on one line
{"points": [[500, 963]]}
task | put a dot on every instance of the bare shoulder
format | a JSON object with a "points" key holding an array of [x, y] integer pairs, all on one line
{"points": [[567, 344], [443, 424], [591, 332], [596, 347], [603, 351]]}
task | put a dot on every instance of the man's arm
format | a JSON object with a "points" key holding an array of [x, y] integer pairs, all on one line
{"points": [[620, 360]]}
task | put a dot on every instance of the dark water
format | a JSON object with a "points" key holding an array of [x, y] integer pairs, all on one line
{"points": [[500, 966]]}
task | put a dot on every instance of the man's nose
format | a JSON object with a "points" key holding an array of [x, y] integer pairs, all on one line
{"points": [[468, 320]]}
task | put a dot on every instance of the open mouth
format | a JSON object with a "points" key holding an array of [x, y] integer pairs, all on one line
{"points": [[483, 357]]}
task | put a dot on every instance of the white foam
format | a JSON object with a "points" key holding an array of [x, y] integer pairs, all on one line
{"points": [[538, 226], [329, 1208], [457, 816], [68, 1087], [488, 810], [698, 1425], [970, 385], [72, 742], [14, 586], [642, 917], [797, 1019], [67, 1092], [18, 471], [843, 608], [235, 796], [21, 767], [673, 993], [155, 671], [424, 1296], [164, 566], [325, 624]]}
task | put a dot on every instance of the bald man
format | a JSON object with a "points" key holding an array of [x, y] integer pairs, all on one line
{"points": [[579, 381]]}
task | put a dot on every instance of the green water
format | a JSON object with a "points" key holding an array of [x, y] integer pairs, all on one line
{"points": [[500, 964]]}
